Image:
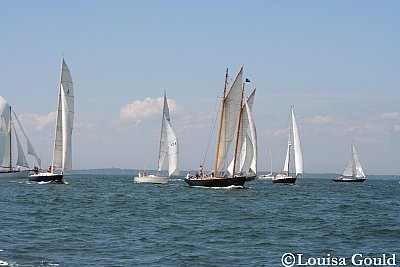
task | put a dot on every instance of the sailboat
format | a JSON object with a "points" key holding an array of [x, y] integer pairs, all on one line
{"points": [[230, 120], [247, 142], [285, 176], [270, 175], [62, 148], [353, 171], [168, 147], [7, 127]]}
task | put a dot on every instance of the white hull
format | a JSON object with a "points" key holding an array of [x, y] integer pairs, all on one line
{"points": [[153, 179], [15, 174], [266, 177]]}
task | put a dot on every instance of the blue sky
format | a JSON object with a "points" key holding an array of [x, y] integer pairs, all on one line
{"points": [[337, 62]]}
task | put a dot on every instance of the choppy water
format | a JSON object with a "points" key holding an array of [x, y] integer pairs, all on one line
{"points": [[99, 220]]}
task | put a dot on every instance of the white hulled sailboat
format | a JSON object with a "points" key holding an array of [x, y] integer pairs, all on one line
{"points": [[168, 147], [285, 176], [62, 149], [270, 175], [7, 127], [353, 171]]}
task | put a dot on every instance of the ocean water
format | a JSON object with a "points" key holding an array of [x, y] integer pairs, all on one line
{"points": [[100, 220]]}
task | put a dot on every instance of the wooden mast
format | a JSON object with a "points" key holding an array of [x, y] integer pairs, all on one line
{"points": [[220, 124], [238, 132]]}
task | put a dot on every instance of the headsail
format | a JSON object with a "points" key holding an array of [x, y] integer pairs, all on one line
{"points": [[173, 151]]}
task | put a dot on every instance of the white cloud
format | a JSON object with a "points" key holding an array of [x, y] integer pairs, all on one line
{"points": [[389, 115], [281, 132], [322, 120], [147, 108], [40, 121]]}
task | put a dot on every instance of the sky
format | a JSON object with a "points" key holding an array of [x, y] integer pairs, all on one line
{"points": [[336, 62]]}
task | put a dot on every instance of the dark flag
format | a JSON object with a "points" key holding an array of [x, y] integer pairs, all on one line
{"points": [[247, 80]]}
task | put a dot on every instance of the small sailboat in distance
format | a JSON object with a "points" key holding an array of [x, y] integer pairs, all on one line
{"points": [[62, 149], [168, 147], [353, 171], [270, 175], [285, 176], [7, 150]]}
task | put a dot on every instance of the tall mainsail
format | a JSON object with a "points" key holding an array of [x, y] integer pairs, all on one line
{"points": [[5, 134], [168, 143], [62, 152], [163, 149], [298, 155], [231, 105]]}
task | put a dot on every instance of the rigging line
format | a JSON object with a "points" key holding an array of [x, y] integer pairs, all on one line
{"points": [[211, 129]]}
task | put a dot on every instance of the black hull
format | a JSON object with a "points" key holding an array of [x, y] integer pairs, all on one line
{"points": [[360, 180], [50, 178], [289, 180], [250, 178], [217, 182]]}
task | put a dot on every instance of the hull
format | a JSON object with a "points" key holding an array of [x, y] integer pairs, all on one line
{"points": [[216, 181], [46, 177], [265, 177], [15, 174], [348, 180], [152, 179], [284, 180], [251, 177]]}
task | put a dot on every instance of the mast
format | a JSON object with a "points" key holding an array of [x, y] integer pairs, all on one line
{"points": [[238, 132], [58, 103], [161, 130], [290, 137], [10, 142], [270, 156], [220, 124]]}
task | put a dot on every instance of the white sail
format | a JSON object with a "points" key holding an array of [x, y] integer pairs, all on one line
{"points": [[247, 155], [298, 156], [163, 149], [253, 138], [5, 137], [353, 166], [168, 143], [285, 169], [230, 117], [62, 152], [359, 172], [31, 149], [21, 159], [173, 151]]}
